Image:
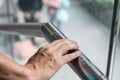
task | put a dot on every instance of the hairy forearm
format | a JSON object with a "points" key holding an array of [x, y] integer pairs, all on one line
{"points": [[10, 70]]}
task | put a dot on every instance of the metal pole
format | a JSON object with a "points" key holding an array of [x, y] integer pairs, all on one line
{"points": [[30, 29], [112, 44], [8, 10]]}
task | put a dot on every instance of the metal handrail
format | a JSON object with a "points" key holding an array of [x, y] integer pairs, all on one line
{"points": [[31, 29]]}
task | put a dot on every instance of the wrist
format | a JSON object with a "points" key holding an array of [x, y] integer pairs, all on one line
{"points": [[28, 73], [33, 73]]}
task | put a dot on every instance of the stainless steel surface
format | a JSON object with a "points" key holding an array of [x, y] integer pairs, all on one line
{"points": [[32, 29]]}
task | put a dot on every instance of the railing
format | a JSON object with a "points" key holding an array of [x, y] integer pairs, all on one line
{"points": [[30, 29], [82, 66]]}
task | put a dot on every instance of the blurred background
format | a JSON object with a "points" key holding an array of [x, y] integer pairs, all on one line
{"points": [[86, 21]]}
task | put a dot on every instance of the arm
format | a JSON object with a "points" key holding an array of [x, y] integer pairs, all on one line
{"points": [[41, 66], [10, 70]]}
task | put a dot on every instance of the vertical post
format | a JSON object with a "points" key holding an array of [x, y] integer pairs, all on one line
{"points": [[8, 10], [113, 39], [9, 20]]}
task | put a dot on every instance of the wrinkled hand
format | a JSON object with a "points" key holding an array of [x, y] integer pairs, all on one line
{"points": [[50, 58]]}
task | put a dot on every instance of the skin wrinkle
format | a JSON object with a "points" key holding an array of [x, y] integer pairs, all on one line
{"points": [[3, 76], [51, 64], [4, 73], [55, 45], [60, 47], [45, 53]]}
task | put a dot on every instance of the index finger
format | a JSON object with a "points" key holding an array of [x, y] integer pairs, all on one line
{"points": [[66, 46]]}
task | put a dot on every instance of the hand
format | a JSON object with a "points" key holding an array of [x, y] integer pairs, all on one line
{"points": [[50, 58]]}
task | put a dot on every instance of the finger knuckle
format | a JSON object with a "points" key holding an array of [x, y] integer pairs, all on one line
{"points": [[66, 42], [48, 50], [68, 58], [58, 60], [40, 49]]}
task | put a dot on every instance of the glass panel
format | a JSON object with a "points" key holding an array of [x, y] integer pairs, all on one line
{"points": [[90, 25]]}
